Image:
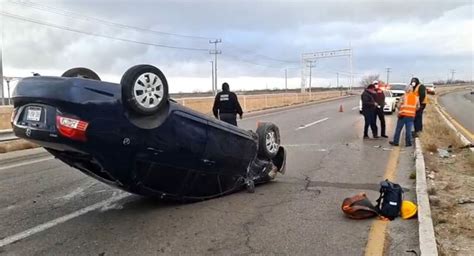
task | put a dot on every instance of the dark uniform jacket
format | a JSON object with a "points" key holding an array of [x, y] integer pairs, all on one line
{"points": [[368, 100], [226, 102], [380, 97]]}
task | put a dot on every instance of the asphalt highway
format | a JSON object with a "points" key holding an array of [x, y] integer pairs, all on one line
{"points": [[48, 208], [460, 105]]}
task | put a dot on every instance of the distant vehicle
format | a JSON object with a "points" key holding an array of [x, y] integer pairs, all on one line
{"points": [[390, 103], [398, 90], [134, 137], [430, 89]]}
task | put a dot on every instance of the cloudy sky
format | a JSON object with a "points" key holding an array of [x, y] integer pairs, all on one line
{"points": [[260, 39]]}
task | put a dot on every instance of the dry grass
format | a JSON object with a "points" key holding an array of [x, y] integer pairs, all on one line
{"points": [[470, 162], [5, 116], [260, 102], [15, 145], [436, 134], [450, 179], [204, 105]]}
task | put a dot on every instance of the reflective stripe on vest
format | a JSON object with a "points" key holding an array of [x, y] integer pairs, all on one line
{"points": [[425, 101], [408, 107]]}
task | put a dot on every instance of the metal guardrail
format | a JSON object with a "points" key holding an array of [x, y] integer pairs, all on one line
{"points": [[7, 135]]}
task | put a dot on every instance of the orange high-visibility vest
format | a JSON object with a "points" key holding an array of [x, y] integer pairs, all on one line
{"points": [[425, 101], [408, 108]]}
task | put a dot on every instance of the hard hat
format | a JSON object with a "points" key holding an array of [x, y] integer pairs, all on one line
{"points": [[408, 210], [375, 82]]}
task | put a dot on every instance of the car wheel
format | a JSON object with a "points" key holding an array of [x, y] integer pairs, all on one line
{"points": [[82, 73], [268, 140], [144, 89]]}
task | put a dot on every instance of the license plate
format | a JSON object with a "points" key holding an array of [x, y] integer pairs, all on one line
{"points": [[33, 114]]}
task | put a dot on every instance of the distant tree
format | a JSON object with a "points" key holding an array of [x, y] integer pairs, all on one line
{"points": [[366, 80]]}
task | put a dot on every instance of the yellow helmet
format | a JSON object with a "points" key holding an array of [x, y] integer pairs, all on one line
{"points": [[408, 209]]}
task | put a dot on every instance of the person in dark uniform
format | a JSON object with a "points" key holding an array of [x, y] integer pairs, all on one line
{"points": [[380, 99], [227, 106], [368, 109], [420, 91]]}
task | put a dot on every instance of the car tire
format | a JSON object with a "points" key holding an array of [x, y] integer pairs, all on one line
{"points": [[144, 89], [268, 140], [82, 73]]}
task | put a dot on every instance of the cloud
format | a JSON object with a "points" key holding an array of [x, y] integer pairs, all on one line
{"points": [[260, 38]]}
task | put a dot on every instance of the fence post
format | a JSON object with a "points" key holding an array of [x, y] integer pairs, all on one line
{"points": [[184, 102], [266, 101]]}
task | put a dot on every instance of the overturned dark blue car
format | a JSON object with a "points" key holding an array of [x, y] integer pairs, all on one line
{"points": [[133, 136]]}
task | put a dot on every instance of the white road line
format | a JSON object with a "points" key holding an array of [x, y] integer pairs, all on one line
{"points": [[310, 147], [311, 124], [78, 191], [27, 163], [50, 224], [356, 107]]}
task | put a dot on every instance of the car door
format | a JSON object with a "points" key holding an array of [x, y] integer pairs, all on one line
{"points": [[173, 153], [229, 149]]}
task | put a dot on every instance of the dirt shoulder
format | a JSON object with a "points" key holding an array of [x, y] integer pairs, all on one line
{"points": [[14, 145], [450, 185]]}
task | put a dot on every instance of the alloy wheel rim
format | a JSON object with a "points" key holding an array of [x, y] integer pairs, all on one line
{"points": [[148, 90], [271, 143]]}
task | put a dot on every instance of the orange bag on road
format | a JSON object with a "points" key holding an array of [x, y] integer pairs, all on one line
{"points": [[358, 207]]}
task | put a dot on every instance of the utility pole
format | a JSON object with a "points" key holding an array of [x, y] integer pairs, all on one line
{"points": [[1, 77], [8, 79], [388, 73], [1, 66], [212, 77], [352, 69], [215, 52], [286, 80], [337, 83], [452, 75], [310, 75]]}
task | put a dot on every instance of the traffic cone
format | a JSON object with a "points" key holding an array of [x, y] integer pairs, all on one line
{"points": [[340, 108]]}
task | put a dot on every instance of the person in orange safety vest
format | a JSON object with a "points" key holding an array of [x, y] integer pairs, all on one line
{"points": [[406, 115]]}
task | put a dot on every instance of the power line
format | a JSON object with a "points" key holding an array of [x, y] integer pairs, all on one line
{"points": [[71, 14], [6, 14], [236, 58], [260, 55], [75, 15]]}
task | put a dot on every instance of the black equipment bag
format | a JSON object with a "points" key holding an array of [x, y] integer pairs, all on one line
{"points": [[390, 199]]}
